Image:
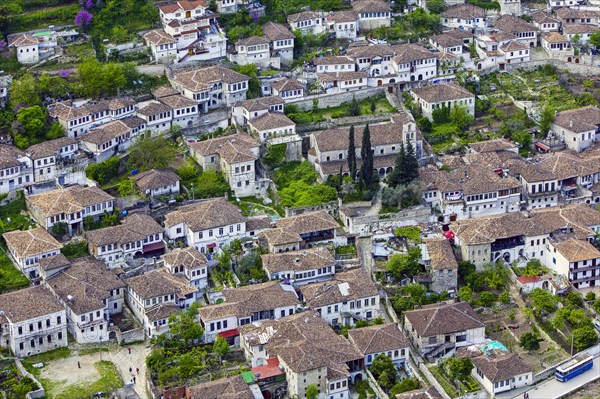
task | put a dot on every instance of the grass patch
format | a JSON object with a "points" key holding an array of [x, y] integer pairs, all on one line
{"points": [[444, 382], [10, 277], [74, 250], [413, 233], [42, 19], [109, 379], [382, 106], [45, 358], [89, 351], [345, 250]]}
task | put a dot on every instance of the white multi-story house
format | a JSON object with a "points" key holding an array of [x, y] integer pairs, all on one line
{"points": [[579, 260], [276, 128], [45, 157], [438, 329], [576, 15], [234, 156], [383, 339], [137, 235], [109, 139], [155, 182], [69, 205], [300, 267], [212, 87], [413, 63], [441, 263], [344, 24], [248, 304], [255, 50], [91, 294], [16, 170], [514, 52], [32, 322], [545, 21], [155, 296], [27, 47], [251, 109], [329, 148], [335, 63], [185, 112], [288, 89], [579, 128], [162, 45], [376, 60], [282, 41], [196, 31], [206, 225], [372, 14], [277, 240], [337, 82], [464, 16], [348, 297], [580, 31], [28, 247], [556, 45], [308, 22], [157, 115], [525, 32], [330, 362], [449, 95], [189, 263], [496, 369]]}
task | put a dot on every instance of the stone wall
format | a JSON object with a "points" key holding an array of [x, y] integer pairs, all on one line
{"points": [[579, 69], [130, 336], [333, 100], [346, 121], [366, 225]]}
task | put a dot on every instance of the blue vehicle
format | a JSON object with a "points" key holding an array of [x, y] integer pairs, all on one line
{"points": [[574, 366]]}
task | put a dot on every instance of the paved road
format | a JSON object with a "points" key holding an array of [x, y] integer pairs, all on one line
{"points": [[553, 388]]}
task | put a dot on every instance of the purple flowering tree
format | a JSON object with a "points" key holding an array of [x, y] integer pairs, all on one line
{"points": [[3, 46], [83, 19], [64, 73], [87, 4]]}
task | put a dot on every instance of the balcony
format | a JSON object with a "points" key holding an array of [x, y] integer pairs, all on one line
{"points": [[585, 279], [501, 245], [584, 269]]}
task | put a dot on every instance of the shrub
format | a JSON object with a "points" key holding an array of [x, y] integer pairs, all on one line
{"points": [[529, 342], [104, 171]]}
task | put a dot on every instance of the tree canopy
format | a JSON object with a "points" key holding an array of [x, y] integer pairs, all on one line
{"points": [[149, 152]]}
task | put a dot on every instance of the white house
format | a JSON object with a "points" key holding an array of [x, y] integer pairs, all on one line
{"points": [[27, 47], [234, 156], [185, 111], [157, 115], [348, 297], [16, 170], [69, 205], [464, 16], [255, 50], [577, 259], [189, 263], [282, 41], [308, 22], [28, 247], [46, 157], [545, 21], [580, 31], [300, 267], [383, 339], [91, 294], [372, 14], [449, 95], [162, 45], [32, 321], [343, 24], [556, 45], [207, 225], [155, 182], [288, 89], [579, 128]]}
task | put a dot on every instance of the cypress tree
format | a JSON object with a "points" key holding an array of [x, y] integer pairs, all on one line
{"points": [[340, 179], [366, 169], [397, 176], [411, 170], [351, 153]]}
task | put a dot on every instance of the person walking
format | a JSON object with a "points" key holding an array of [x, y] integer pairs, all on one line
{"points": [[78, 365], [130, 370], [134, 379], [129, 349], [137, 370]]}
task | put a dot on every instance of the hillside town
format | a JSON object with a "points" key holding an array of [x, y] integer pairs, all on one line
{"points": [[325, 199]]}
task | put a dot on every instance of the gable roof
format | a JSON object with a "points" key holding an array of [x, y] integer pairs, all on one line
{"points": [[275, 31], [158, 283], [346, 286], [577, 250], [261, 103], [271, 120], [443, 318], [378, 338], [287, 84], [307, 259], [155, 178], [159, 37], [492, 145], [441, 254], [28, 303], [512, 24], [442, 92], [202, 79], [105, 133], [50, 148], [135, 227], [425, 393], [278, 236], [189, 257], [67, 200], [464, 11], [204, 215], [224, 388], [88, 282], [233, 149], [338, 139], [371, 6], [579, 120], [308, 222], [31, 242]]}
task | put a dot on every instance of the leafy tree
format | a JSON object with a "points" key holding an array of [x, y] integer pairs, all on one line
{"points": [[210, 184], [595, 39], [546, 119], [441, 115], [459, 369], [590, 296], [465, 293], [104, 171], [597, 305], [300, 193], [397, 176], [584, 337], [312, 391], [23, 92], [184, 328], [59, 229], [100, 79], [251, 71], [220, 347], [543, 301], [151, 153], [7, 9], [351, 153], [436, 6], [407, 384], [56, 131], [33, 120], [424, 124], [373, 105], [126, 187], [461, 117], [574, 299], [366, 153], [529, 342], [504, 297], [411, 171], [405, 265], [384, 371], [250, 268], [522, 137], [486, 299]]}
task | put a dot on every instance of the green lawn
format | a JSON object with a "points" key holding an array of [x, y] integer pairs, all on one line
{"points": [[109, 379], [10, 277], [444, 382], [64, 15], [320, 114]]}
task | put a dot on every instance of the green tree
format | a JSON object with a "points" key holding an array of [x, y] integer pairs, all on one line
{"points": [[33, 120], [529, 342], [149, 152], [597, 305], [595, 39], [459, 368], [384, 371], [407, 384], [91, 76], [354, 108], [546, 119], [59, 229], [56, 131], [436, 6], [8, 8], [220, 347], [184, 327], [584, 337], [312, 392], [411, 172], [543, 301], [522, 137], [366, 154], [397, 176], [441, 115], [104, 171], [486, 299], [465, 293], [351, 153], [590, 296], [210, 184], [504, 297], [23, 92], [461, 118], [402, 266]]}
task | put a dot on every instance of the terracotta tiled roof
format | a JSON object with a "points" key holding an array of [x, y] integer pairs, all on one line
{"points": [[378, 338], [22, 39], [271, 120], [177, 101], [233, 149], [443, 318], [204, 215], [9, 155], [554, 37], [287, 84], [371, 6], [275, 31], [492, 145], [302, 16], [153, 108], [464, 11], [441, 254], [341, 17], [580, 119], [50, 148], [442, 92], [308, 222], [28, 303], [31, 242], [54, 262], [577, 250], [202, 79], [67, 200], [225, 388], [407, 53], [155, 178], [513, 46], [105, 133], [88, 282], [578, 29], [190, 258], [296, 261], [133, 228], [542, 17], [572, 13], [159, 283], [346, 286], [253, 41], [159, 37], [512, 24], [279, 236], [333, 60], [261, 103], [337, 139], [446, 41], [424, 393], [164, 91]]}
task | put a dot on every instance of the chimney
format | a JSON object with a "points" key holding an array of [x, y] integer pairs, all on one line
{"points": [[571, 123]]}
